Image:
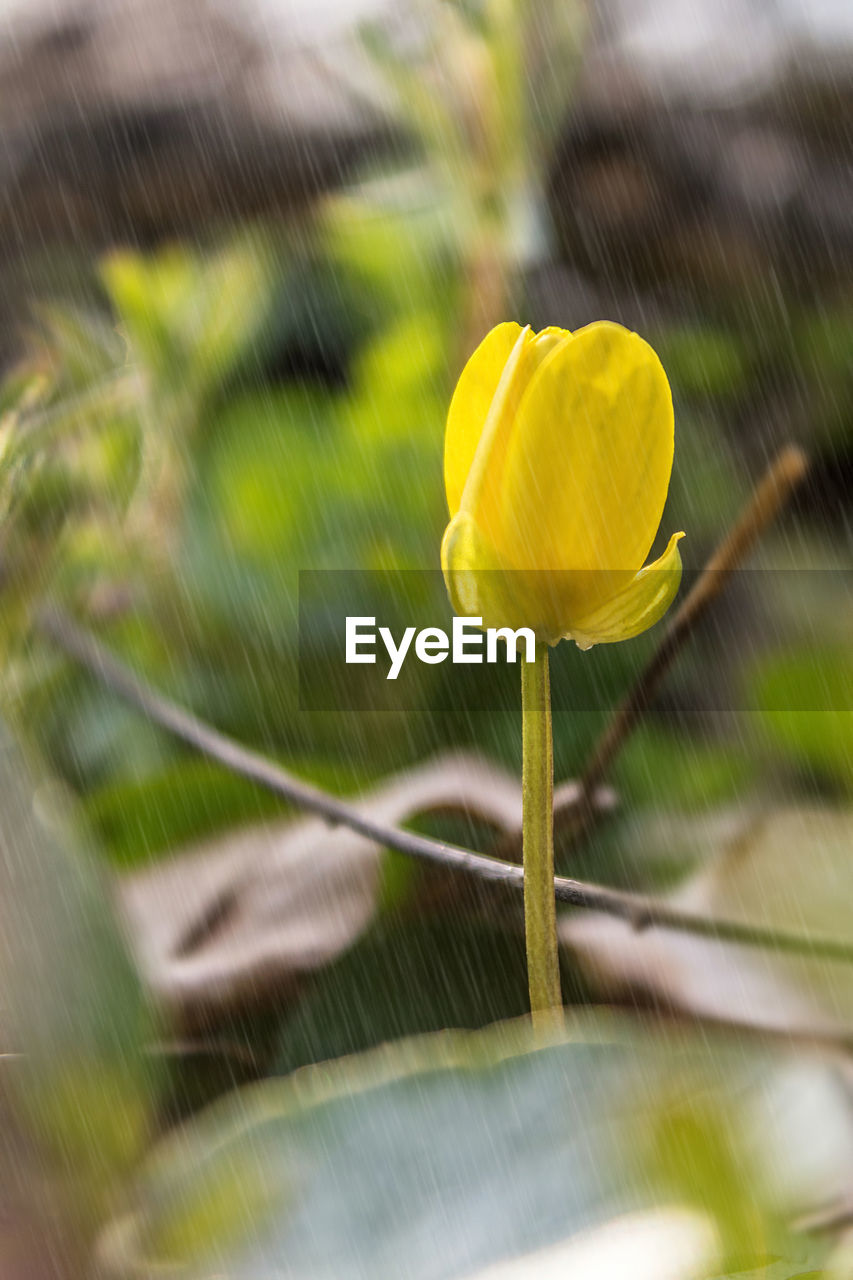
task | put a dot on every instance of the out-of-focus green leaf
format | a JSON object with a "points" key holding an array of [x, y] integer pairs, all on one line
{"points": [[824, 340], [438, 1157], [72, 1016], [139, 820], [69, 463], [263, 509], [270, 469], [395, 240], [806, 701], [405, 977], [189, 317], [669, 768], [703, 361], [194, 798]]}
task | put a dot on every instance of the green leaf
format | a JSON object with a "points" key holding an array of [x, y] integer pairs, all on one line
{"points": [[139, 820], [441, 1156], [704, 361], [697, 773], [188, 317], [73, 1021], [806, 700], [406, 977]]}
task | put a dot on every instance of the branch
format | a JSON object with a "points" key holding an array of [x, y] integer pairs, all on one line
{"points": [[639, 911], [574, 815]]}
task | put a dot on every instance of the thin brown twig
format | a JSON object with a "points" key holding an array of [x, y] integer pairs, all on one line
{"points": [[573, 817], [639, 911], [231, 1050]]}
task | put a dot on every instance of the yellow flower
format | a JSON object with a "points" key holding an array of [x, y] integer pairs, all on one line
{"points": [[557, 460]]}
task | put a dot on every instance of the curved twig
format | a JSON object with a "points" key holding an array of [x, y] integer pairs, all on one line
{"points": [[640, 911]]}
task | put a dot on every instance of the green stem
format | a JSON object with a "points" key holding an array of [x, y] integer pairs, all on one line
{"points": [[540, 915]]}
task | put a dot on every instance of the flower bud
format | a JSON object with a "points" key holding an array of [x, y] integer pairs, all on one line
{"points": [[558, 453]]}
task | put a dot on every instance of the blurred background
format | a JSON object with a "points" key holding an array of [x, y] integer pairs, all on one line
{"points": [[245, 250], [291, 224]]}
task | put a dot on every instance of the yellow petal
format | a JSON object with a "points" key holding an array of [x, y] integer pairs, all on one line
{"points": [[587, 466], [470, 405], [477, 583], [474, 398], [546, 339], [638, 606]]}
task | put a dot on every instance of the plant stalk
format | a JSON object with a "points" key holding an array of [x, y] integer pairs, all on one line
{"points": [[540, 913]]}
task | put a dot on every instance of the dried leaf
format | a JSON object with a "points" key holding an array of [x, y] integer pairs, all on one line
{"points": [[231, 919], [788, 869]]}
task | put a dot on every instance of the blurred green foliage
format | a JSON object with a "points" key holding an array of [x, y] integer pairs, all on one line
{"points": [[78, 1084], [806, 699], [187, 319], [183, 473]]}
